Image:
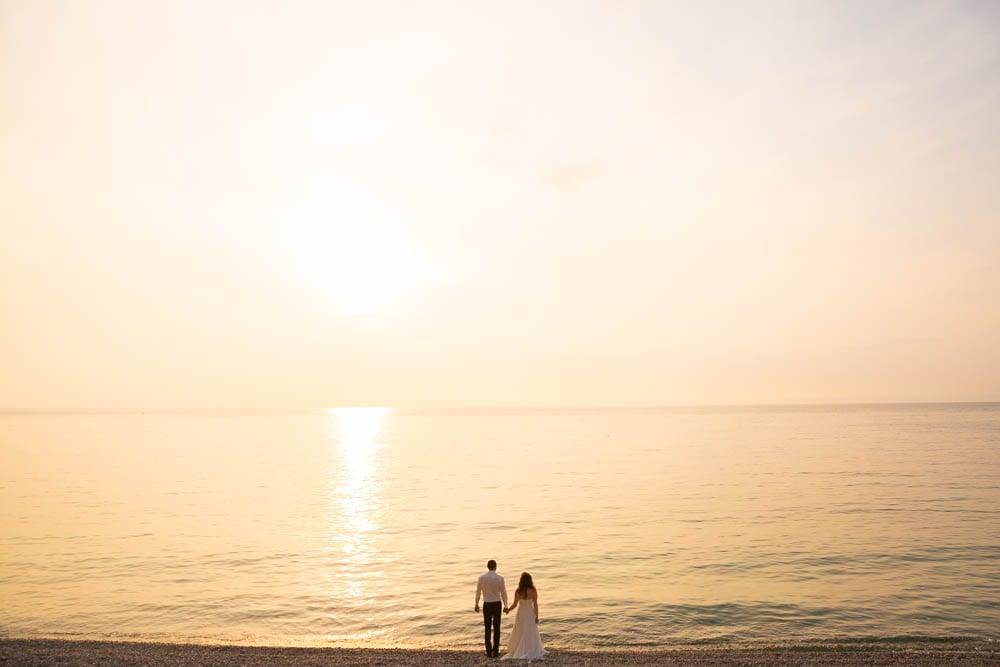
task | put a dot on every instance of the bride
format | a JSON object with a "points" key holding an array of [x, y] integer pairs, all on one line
{"points": [[525, 642]]}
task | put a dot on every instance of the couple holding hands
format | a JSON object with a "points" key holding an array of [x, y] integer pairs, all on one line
{"points": [[525, 643]]}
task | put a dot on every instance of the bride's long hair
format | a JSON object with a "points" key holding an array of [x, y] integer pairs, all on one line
{"points": [[524, 584]]}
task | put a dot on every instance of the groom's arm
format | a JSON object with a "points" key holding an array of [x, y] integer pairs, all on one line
{"points": [[503, 593], [479, 590]]}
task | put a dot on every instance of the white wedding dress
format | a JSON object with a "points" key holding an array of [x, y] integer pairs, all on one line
{"points": [[525, 643]]}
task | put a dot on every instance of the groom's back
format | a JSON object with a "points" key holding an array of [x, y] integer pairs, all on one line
{"points": [[492, 586]]}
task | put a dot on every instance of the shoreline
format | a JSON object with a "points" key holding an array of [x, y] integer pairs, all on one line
{"points": [[102, 652]]}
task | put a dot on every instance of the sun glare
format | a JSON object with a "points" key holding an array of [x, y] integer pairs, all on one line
{"points": [[361, 261]]}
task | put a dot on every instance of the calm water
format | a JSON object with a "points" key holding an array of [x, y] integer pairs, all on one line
{"points": [[641, 528]]}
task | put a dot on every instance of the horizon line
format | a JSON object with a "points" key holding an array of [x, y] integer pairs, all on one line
{"points": [[481, 407]]}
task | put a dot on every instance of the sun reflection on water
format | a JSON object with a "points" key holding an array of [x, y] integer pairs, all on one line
{"points": [[354, 487]]}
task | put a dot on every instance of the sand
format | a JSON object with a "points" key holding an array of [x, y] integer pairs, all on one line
{"points": [[73, 652]]}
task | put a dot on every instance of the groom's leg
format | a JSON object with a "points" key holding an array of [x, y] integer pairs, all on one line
{"points": [[496, 629], [486, 625]]}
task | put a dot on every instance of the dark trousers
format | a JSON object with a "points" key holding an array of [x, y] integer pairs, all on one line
{"points": [[491, 616]]}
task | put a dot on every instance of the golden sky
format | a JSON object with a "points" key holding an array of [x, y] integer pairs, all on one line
{"points": [[265, 204]]}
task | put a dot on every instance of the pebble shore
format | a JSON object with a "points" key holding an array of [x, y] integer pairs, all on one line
{"points": [[73, 652]]}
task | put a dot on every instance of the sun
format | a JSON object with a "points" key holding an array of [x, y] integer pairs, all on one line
{"points": [[360, 259]]}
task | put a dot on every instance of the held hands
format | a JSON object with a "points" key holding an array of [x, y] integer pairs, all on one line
{"points": [[505, 610], [477, 609]]}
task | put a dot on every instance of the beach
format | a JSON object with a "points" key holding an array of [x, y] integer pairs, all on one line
{"points": [[75, 652], [676, 316]]}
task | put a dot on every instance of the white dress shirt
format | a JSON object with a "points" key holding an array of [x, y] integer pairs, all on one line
{"points": [[491, 587]]}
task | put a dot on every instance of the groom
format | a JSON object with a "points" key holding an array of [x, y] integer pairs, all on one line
{"points": [[491, 587]]}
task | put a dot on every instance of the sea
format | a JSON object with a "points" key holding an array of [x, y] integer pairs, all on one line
{"points": [[642, 527]]}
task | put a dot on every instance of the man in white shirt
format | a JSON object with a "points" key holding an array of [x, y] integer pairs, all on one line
{"points": [[493, 590]]}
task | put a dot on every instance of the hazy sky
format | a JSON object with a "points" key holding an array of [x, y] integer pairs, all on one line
{"points": [[252, 204]]}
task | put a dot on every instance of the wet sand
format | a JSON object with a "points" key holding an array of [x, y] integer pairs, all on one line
{"points": [[73, 652]]}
